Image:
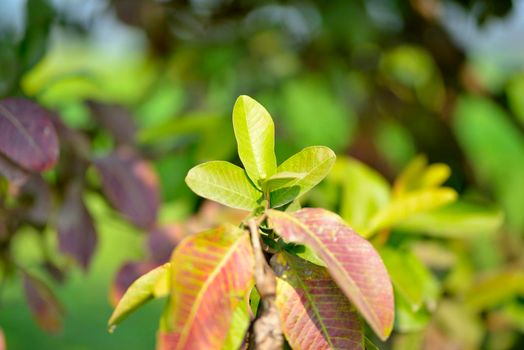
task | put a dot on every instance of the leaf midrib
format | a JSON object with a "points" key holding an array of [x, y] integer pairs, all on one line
{"points": [[313, 305], [308, 173], [196, 305], [335, 260], [20, 127]]}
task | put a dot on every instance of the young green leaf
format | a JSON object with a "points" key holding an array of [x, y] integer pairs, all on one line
{"points": [[224, 183], [239, 325], [411, 278], [410, 204], [255, 135], [364, 191], [315, 313], [352, 261], [212, 274], [154, 284], [462, 219], [280, 180], [313, 163]]}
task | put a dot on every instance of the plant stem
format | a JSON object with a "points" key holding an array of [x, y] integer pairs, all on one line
{"points": [[267, 330]]}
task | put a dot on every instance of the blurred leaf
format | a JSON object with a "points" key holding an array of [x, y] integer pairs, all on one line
{"points": [[305, 295], [314, 115], [255, 135], [126, 275], [418, 176], [27, 136], [162, 240], [116, 119], [12, 172], [2, 340], [197, 124], [495, 289], [43, 303], [413, 203], [409, 341], [476, 120], [461, 219], [408, 320], [515, 93], [225, 183], [395, 142], [212, 274], [351, 260], [154, 284], [37, 193], [411, 278], [314, 163], [130, 185], [364, 191], [77, 235]]}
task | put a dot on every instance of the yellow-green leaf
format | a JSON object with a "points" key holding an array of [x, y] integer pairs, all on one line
{"points": [[154, 284], [413, 203], [255, 135], [225, 183], [313, 163]]}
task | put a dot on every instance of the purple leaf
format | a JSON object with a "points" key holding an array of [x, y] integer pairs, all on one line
{"points": [[127, 274], [27, 136], [38, 194], [43, 304], [116, 119], [76, 231], [130, 185], [12, 172], [162, 240]]}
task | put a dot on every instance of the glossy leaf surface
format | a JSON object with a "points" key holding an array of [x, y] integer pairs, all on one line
{"points": [[352, 261], [224, 183], [315, 313], [255, 135], [313, 163], [212, 274]]}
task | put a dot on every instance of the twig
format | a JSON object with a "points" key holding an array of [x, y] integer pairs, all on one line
{"points": [[267, 330]]}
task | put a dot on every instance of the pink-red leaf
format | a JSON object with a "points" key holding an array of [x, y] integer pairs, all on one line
{"points": [[27, 136], [212, 273], [76, 231], [130, 185], [315, 314], [352, 261], [2, 340], [43, 304]]}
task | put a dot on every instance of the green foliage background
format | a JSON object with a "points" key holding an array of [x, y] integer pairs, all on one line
{"points": [[381, 81]]}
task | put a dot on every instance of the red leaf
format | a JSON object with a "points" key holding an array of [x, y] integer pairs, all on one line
{"points": [[212, 273], [315, 313], [352, 261], [163, 240], [76, 231], [130, 185], [43, 303], [27, 136], [126, 275]]}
